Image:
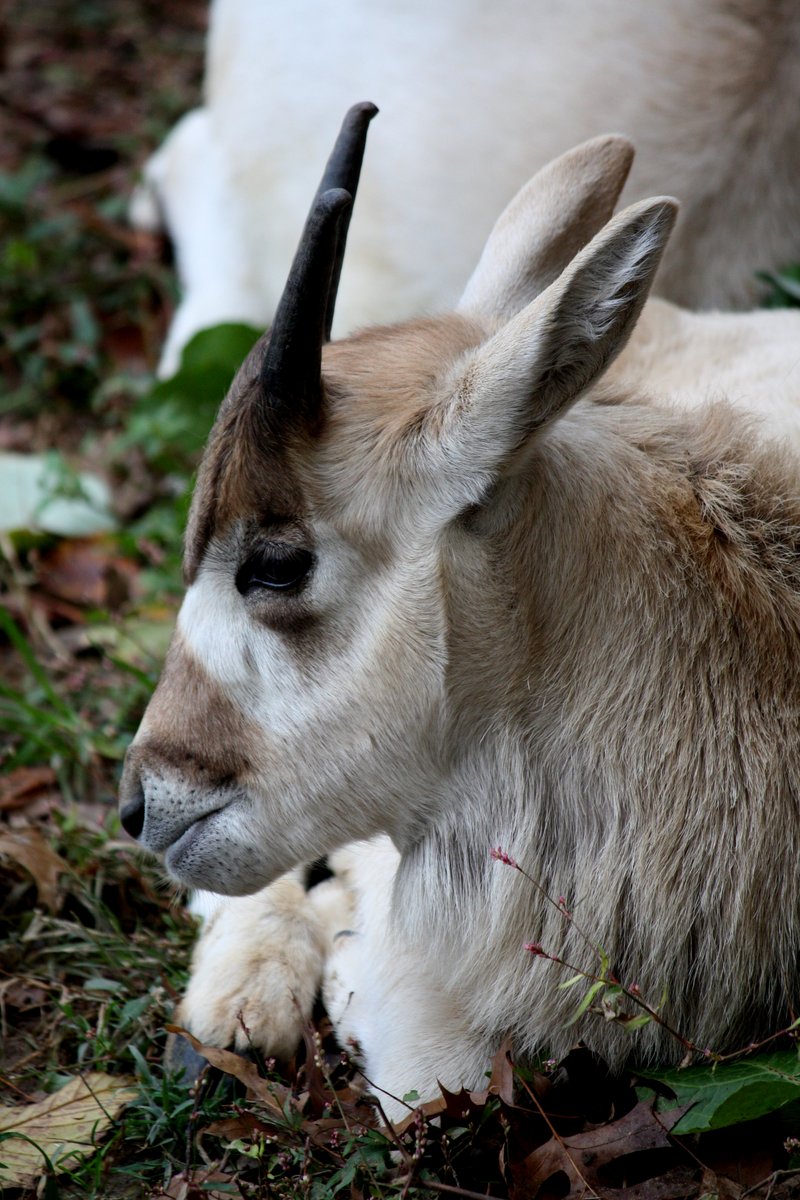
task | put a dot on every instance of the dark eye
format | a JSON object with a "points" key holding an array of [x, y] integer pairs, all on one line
{"points": [[277, 568]]}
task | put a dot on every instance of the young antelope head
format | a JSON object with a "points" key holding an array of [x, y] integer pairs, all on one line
{"points": [[350, 561]]}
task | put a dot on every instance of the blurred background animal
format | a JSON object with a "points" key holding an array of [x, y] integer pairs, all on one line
{"points": [[475, 98]]}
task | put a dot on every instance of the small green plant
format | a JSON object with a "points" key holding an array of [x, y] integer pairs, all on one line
{"points": [[784, 287], [724, 1089], [162, 1121], [102, 967], [170, 422]]}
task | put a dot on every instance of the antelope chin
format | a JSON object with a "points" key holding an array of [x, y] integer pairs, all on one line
{"points": [[186, 844], [215, 855]]}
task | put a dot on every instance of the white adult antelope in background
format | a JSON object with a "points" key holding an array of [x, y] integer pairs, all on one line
{"points": [[458, 583], [707, 90]]}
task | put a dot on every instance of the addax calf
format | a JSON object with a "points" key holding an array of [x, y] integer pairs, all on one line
{"points": [[467, 582]]}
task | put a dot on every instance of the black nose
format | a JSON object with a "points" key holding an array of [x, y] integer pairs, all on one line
{"points": [[131, 800]]}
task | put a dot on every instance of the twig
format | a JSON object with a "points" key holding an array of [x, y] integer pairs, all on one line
{"points": [[243, 1192], [109, 1116], [560, 905], [409, 1181], [19, 1091], [557, 1136], [451, 1190], [314, 1047], [630, 992], [772, 1179], [374, 1088], [634, 996], [200, 1085], [394, 1135], [675, 1138], [751, 1049]]}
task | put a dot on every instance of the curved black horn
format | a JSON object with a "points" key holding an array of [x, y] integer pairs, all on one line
{"points": [[291, 371], [292, 367], [343, 170]]}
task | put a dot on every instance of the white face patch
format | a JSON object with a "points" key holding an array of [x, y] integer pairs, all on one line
{"points": [[216, 629], [259, 669], [337, 714]]}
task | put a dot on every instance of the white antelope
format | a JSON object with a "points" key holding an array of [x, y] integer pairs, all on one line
{"points": [[467, 582], [707, 90]]}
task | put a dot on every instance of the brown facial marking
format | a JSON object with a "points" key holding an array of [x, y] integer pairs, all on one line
{"points": [[245, 472], [380, 388], [194, 725]]}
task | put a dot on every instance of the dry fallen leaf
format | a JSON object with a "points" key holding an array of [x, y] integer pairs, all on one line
{"points": [[717, 1185], [501, 1081], [88, 571], [197, 1185], [20, 787], [586, 1164], [31, 851], [22, 994], [240, 1068], [431, 1108], [63, 1126], [244, 1125]]}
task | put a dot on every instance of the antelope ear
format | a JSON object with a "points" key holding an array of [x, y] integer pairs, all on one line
{"points": [[545, 225], [536, 365]]}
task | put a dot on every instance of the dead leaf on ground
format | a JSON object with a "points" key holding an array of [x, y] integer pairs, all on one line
{"points": [[25, 784], [63, 1126], [90, 572], [197, 1185], [271, 1094], [634, 1147], [501, 1080], [244, 1125], [50, 608], [464, 1105], [23, 994], [316, 1085], [742, 1156], [431, 1108], [30, 850], [719, 1186]]}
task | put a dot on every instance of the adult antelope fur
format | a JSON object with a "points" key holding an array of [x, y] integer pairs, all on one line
{"points": [[467, 582], [707, 90]]}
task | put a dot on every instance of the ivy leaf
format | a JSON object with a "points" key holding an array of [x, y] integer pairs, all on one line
{"points": [[731, 1093]]}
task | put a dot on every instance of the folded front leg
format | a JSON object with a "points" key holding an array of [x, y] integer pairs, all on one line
{"points": [[258, 963]]}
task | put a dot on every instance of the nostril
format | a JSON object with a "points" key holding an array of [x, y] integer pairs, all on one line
{"points": [[131, 813]]}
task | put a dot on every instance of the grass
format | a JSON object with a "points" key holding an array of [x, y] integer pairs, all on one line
{"points": [[90, 983], [89, 986]]}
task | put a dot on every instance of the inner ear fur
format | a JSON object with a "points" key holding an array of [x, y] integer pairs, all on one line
{"points": [[545, 357]]}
